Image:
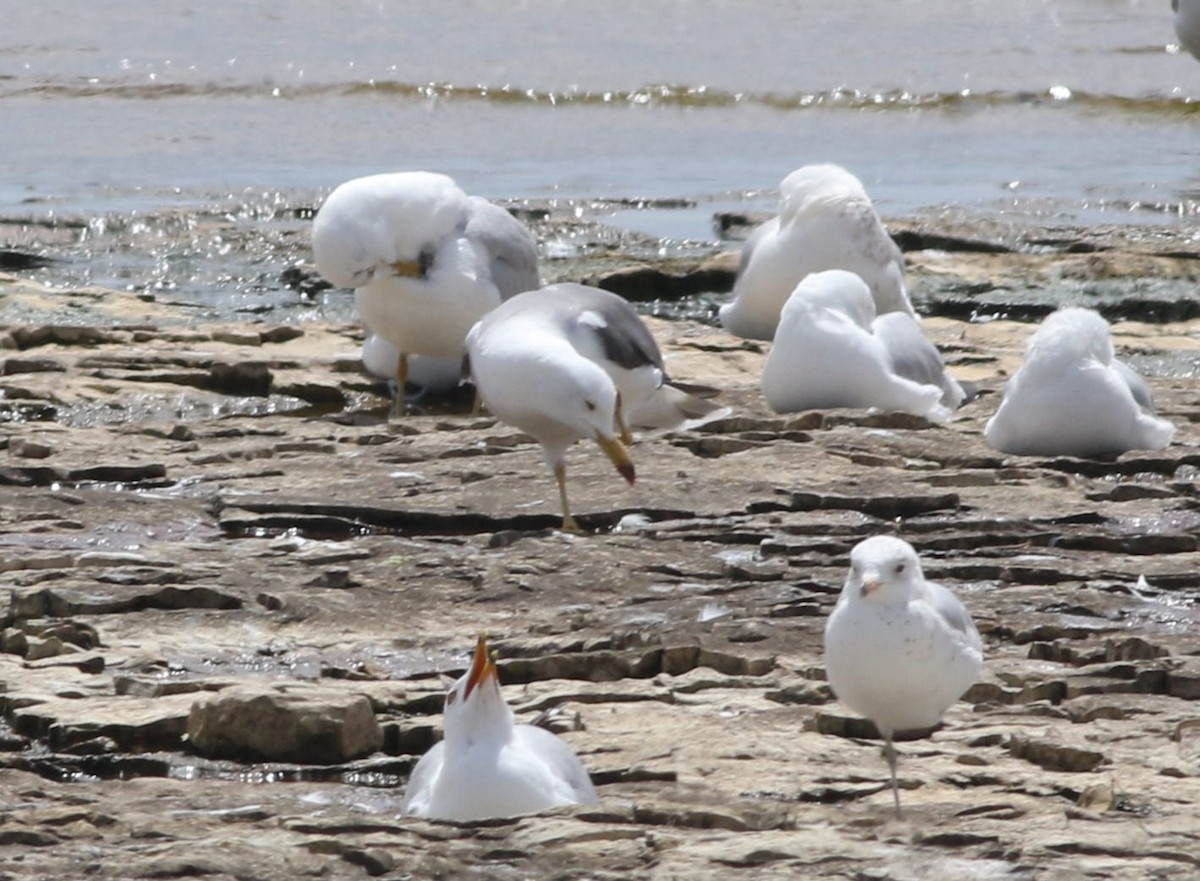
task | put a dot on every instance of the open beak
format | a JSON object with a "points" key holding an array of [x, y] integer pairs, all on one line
{"points": [[481, 667], [870, 584], [406, 268], [618, 455]]}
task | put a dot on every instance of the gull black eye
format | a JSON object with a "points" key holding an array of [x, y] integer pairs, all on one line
{"points": [[589, 404], [900, 568]]}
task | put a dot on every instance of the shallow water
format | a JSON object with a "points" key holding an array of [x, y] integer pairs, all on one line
{"points": [[973, 103], [128, 118]]}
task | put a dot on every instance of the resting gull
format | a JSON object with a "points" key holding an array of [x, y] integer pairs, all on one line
{"points": [[826, 221], [831, 351], [1073, 397], [489, 766]]}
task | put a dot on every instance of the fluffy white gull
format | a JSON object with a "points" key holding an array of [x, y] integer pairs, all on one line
{"points": [[1187, 24], [426, 260], [1073, 397], [826, 221], [570, 362], [826, 354], [898, 649], [489, 766]]}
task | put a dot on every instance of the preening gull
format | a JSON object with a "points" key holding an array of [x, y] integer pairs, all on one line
{"points": [[489, 766], [1073, 397], [425, 259], [829, 352], [826, 221], [570, 362], [898, 649]]}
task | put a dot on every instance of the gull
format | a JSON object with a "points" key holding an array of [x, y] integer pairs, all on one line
{"points": [[832, 351], [1187, 24], [570, 362], [425, 260], [489, 766], [826, 221], [898, 649], [1073, 397]]}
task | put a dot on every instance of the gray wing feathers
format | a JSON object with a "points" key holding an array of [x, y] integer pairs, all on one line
{"points": [[914, 357], [954, 613], [511, 245], [624, 338], [1137, 385]]}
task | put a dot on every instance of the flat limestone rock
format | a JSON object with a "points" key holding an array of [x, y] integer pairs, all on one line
{"points": [[310, 576], [291, 722]]}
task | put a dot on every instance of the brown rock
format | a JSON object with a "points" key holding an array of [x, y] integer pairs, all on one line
{"points": [[291, 722]]}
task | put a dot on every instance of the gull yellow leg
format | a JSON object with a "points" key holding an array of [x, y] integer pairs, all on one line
{"points": [[398, 406], [560, 475]]}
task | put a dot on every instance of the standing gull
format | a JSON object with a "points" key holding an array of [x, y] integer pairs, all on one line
{"points": [[826, 221], [426, 260], [489, 766], [831, 351], [565, 363], [898, 649], [1073, 397]]}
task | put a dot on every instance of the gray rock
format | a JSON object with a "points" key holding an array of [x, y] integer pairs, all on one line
{"points": [[287, 722]]}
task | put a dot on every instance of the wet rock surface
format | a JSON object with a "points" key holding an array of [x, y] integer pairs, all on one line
{"points": [[205, 516]]}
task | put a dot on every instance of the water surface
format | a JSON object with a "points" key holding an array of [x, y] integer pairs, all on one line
{"points": [[133, 115]]}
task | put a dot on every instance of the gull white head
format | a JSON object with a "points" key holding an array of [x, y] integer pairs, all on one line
{"points": [[813, 184], [573, 398], [385, 223], [475, 708], [1071, 335], [585, 403], [884, 569], [835, 289]]}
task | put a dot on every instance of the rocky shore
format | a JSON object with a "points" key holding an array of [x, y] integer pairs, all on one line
{"points": [[234, 594]]}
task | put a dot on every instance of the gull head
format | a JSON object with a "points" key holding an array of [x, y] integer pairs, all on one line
{"points": [[1070, 337], [386, 225], [836, 290], [814, 185], [475, 708], [582, 402], [884, 569]]}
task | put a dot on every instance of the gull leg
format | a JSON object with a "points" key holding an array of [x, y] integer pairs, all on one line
{"points": [[560, 475], [399, 407], [477, 404], [890, 755], [619, 413]]}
